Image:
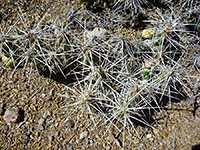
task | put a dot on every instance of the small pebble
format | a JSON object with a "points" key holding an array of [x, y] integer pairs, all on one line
{"points": [[37, 134], [108, 147], [5, 128], [129, 138], [83, 135], [43, 95], [28, 132], [12, 115], [69, 147], [47, 113], [25, 139], [55, 147], [41, 121], [48, 105], [190, 138], [50, 138], [151, 139], [197, 62], [148, 136], [56, 125], [70, 123], [57, 134], [97, 32], [1, 111], [40, 127]]}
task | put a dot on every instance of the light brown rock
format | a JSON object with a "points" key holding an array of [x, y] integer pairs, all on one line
{"points": [[41, 121], [12, 115]]}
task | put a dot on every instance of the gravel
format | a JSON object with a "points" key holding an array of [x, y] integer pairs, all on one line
{"points": [[33, 94]]}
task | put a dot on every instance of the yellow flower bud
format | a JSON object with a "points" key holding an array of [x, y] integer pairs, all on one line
{"points": [[147, 33], [7, 61]]}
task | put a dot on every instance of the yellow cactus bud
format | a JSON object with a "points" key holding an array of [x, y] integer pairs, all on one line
{"points": [[147, 33], [7, 61]]}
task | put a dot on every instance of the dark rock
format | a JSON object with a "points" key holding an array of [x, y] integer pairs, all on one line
{"points": [[25, 139], [196, 147], [1, 111], [70, 123], [5, 128]]}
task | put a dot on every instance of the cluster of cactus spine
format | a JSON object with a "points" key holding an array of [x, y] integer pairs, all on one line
{"points": [[117, 79]]}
